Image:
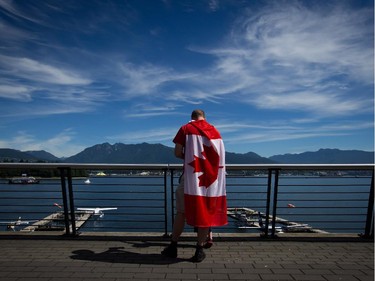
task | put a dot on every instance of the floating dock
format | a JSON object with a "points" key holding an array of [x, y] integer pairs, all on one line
{"points": [[56, 222], [249, 218]]}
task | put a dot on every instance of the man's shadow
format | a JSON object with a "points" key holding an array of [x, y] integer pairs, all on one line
{"points": [[117, 255]]}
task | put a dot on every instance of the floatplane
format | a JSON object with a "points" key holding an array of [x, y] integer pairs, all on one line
{"points": [[248, 218], [253, 222], [11, 225], [96, 211]]}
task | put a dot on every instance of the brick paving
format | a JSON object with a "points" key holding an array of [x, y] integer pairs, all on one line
{"points": [[119, 258]]}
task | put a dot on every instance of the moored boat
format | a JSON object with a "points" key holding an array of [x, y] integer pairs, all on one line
{"points": [[23, 180]]}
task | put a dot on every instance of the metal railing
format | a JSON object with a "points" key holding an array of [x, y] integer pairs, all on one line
{"points": [[326, 198]]}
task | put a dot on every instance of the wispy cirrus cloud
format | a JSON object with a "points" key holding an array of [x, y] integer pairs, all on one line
{"points": [[10, 90], [25, 141], [160, 135], [148, 79], [248, 133], [318, 102], [281, 57], [291, 57], [146, 110], [50, 89], [35, 71], [12, 10]]}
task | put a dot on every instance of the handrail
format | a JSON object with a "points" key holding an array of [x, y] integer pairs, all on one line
{"points": [[179, 166], [99, 166]]}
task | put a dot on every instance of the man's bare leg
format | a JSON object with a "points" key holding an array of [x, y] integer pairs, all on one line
{"points": [[178, 226], [202, 235]]}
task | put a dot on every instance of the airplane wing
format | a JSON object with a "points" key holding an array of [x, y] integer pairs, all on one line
{"points": [[17, 222], [22, 222], [96, 209], [7, 222], [296, 226]]}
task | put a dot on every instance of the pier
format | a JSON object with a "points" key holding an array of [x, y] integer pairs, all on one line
{"points": [[253, 219], [55, 222]]}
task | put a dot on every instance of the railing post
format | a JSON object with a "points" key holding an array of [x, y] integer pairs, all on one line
{"points": [[275, 193], [165, 204], [69, 214], [172, 199], [65, 201], [268, 203], [71, 202], [369, 229]]}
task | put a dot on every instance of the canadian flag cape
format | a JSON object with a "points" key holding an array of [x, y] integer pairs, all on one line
{"points": [[204, 172]]}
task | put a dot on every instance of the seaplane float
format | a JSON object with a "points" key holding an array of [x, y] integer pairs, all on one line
{"points": [[11, 225]]}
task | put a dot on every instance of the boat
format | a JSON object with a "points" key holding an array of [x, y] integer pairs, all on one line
{"points": [[297, 228], [23, 180]]}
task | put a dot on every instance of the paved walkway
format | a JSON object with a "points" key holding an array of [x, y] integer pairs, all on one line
{"points": [[86, 258]]}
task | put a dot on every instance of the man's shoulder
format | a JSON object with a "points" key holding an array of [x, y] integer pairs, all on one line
{"points": [[187, 126], [190, 128]]}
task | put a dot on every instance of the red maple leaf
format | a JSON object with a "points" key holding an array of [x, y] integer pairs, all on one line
{"points": [[209, 165]]}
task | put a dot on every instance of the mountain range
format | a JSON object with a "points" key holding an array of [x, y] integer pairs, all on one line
{"points": [[327, 156], [145, 153]]}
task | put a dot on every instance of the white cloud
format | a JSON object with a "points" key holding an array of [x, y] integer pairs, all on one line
{"points": [[247, 133], [36, 71], [160, 135], [291, 57], [146, 79], [337, 38], [60, 145], [15, 92], [287, 57], [12, 10], [320, 103], [47, 89], [279, 136], [58, 101], [213, 5], [142, 110]]}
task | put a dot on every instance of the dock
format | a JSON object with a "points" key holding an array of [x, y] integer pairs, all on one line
{"points": [[55, 222], [253, 219]]}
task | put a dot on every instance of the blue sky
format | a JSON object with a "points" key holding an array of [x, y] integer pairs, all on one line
{"points": [[274, 77]]}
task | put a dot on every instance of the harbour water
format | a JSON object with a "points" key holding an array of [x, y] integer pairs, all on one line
{"points": [[332, 204]]}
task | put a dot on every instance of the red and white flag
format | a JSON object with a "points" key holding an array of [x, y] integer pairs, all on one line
{"points": [[204, 172]]}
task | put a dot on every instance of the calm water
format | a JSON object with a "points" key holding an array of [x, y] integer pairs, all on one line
{"points": [[332, 204]]}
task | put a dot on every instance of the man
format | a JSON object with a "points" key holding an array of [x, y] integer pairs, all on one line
{"points": [[202, 186]]}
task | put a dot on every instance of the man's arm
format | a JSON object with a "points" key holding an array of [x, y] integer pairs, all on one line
{"points": [[179, 151]]}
